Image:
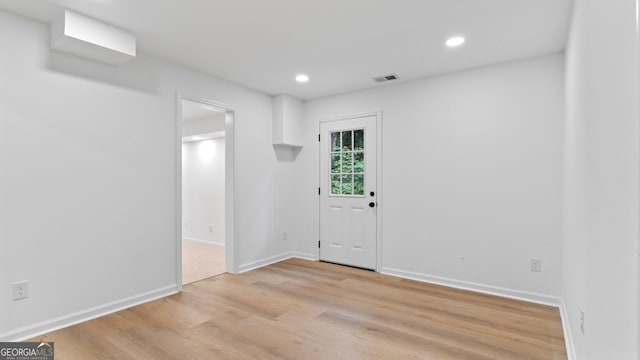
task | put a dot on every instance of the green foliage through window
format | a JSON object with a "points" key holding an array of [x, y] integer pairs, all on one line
{"points": [[347, 162]]}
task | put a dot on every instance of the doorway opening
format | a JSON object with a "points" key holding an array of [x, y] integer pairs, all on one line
{"points": [[205, 192]]}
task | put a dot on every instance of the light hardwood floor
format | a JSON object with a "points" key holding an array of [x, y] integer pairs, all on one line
{"points": [[201, 261], [300, 309]]}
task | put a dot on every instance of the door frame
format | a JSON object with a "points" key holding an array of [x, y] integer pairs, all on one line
{"points": [[379, 199], [230, 152]]}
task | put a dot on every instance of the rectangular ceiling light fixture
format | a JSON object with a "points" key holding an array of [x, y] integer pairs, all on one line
{"points": [[86, 37]]}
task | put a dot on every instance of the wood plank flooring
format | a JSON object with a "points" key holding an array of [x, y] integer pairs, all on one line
{"points": [[201, 261], [300, 309]]}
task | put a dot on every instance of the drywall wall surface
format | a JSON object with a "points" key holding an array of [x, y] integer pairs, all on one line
{"points": [[600, 237], [89, 178], [574, 246], [4, 239], [203, 191], [471, 179]]}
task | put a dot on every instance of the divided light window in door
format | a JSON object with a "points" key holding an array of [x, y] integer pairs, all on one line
{"points": [[347, 163]]}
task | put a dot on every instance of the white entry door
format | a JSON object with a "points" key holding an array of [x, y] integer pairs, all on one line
{"points": [[348, 191]]}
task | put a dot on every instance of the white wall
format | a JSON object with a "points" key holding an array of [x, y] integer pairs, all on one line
{"points": [[203, 191], [88, 178], [600, 238], [472, 175]]}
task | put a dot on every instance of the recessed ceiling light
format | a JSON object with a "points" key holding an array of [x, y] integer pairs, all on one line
{"points": [[455, 41], [302, 78]]}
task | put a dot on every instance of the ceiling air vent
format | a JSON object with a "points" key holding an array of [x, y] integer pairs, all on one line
{"points": [[384, 78]]}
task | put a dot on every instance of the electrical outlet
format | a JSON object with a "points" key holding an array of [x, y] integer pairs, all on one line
{"points": [[20, 290], [284, 235], [210, 227], [536, 265], [582, 321]]}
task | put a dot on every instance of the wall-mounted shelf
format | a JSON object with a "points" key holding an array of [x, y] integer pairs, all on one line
{"points": [[287, 119], [287, 127], [288, 146]]}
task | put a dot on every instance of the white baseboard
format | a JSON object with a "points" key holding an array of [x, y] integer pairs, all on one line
{"points": [[274, 259], [481, 288], [566, 328], [264, 262], [203, 241], [303, 256], [44, 327]]}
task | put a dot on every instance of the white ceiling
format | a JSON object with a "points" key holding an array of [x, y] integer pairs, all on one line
{"points": [[192, 110], [340, 44]]}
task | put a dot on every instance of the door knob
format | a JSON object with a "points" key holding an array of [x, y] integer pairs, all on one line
{"points": [[372, 204]]}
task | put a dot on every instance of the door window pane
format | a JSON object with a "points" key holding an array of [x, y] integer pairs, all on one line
{"points": [[335, 142], [336, 185], [347, 163], [358, 140], [335, 163], [358, 184], [358, 162], [346, 140], [347, 184]]}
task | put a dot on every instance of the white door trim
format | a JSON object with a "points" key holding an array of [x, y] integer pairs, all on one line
{"points": [[230, 171], [379, 193]]}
